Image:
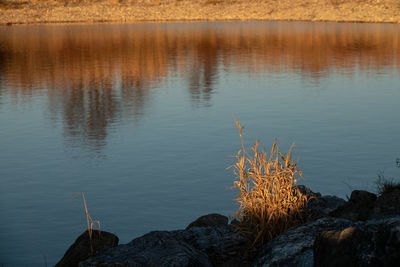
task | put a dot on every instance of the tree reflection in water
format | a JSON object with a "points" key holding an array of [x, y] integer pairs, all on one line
{"points": [[95, 74]]}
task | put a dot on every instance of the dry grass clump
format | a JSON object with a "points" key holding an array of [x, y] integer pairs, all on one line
{"points": [[269, 202], [385, 185]]}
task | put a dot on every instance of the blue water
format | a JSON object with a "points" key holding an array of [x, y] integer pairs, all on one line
{"points": [[139, 118]]}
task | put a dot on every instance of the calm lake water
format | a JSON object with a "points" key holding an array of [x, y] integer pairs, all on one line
{"points": [[139, 118]]}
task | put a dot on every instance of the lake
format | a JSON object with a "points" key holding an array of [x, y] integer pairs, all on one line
{"points": [[139, 117]]}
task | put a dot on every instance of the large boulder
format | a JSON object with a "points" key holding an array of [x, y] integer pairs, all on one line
{"points": [[295, 247], [374, 243], [198, 246], [84, 248], [358, 208]]}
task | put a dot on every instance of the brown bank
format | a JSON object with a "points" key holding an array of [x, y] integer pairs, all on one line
{"points": [[59, 11]]}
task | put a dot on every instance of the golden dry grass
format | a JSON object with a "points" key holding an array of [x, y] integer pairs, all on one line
{"points": [[269, 203]]}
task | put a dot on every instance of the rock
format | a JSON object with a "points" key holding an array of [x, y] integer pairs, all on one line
{"points": [[336, 248], [80, 249], [358, 208], [374, 243], [158, 248], [197, 246], [209, 220], [223, 245], [363, 232], [295, 247], [322, 206], [388, 204], [319, 206], [361, 196]]}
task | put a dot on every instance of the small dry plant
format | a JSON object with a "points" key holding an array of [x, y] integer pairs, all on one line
{"points": [[268, 201], [90, 222]]}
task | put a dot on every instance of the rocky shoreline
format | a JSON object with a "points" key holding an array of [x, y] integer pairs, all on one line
{"points": [[125, 11], [363, 231]]}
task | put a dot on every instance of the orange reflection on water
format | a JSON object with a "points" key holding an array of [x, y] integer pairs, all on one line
{"points": [[94, 56], [93, 72]]}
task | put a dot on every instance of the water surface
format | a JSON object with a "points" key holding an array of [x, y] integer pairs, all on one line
{"points": [[139, 117]]}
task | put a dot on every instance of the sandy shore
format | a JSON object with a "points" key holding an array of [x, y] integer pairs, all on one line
{"points": [[58, 11]]}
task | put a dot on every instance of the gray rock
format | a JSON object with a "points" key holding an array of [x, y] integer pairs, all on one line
{"points": [[374, 243], [358, 208], [209, 220], [197, 246], [295, 247], [81, 248]]}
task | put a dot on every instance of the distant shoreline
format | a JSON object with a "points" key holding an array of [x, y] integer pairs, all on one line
{"points": [[127, 11]]}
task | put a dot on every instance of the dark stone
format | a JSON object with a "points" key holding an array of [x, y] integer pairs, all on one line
{"points": [[209, 220], [358, 208], [361, 196], [374, 243], [388, 204], [81, 250], [158, 248], [198, 246], [336, 248], [322, 206], [319, 206], [295, 247], [223, 245]]}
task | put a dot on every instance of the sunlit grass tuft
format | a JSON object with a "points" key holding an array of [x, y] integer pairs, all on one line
{"points": [[268, 201]]}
